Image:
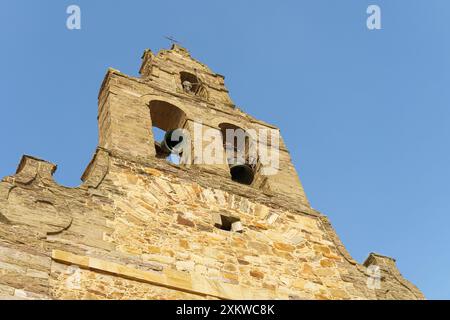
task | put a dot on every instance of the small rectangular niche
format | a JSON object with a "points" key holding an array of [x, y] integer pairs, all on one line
{"points": [[227, 222]]}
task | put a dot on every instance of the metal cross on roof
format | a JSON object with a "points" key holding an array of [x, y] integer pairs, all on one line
{"points": [[170, 38]]}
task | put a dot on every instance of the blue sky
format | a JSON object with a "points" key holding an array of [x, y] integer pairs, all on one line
{"points": [[364, 113]]}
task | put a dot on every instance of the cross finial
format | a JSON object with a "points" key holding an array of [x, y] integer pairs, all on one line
{"points": [[171, 39]]}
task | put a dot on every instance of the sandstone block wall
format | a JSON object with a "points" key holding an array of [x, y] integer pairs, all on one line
{"points": [[139, 227]]}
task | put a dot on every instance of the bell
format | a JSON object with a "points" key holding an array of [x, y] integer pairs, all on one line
{"points": [[173, 143], [187, 86], [242, 173]]}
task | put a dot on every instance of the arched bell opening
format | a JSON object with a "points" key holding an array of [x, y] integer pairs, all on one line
{"points": [[240, 158], [191, 84], [167, 126]]}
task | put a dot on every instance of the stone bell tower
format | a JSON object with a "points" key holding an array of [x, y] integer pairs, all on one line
{"points": [[143, 227]]}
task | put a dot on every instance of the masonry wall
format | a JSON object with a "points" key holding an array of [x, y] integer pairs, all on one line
{"points": [[139, 227], [142, 231]]}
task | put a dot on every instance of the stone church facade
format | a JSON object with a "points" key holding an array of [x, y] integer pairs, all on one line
{"points": [[142, 227]]}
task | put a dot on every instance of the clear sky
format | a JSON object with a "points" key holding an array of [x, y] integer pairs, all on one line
{"points": [[364, 113]]}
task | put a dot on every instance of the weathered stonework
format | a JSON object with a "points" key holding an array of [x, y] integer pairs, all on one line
{"points": [[139, 227]]}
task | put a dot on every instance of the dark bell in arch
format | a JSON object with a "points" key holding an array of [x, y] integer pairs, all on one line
{"points": [[173, 143], [242, 173]]}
